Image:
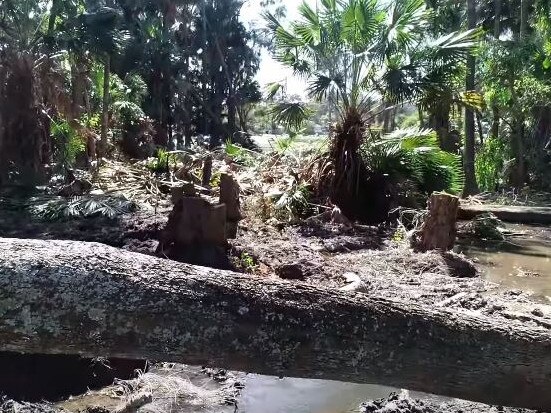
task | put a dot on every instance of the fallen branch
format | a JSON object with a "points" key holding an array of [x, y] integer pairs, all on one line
{"points": [[89, 299]]}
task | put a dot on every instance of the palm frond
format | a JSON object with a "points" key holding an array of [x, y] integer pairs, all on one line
{"points": [[412, 154], [454, 46], [272, 89], [81, 207], [322, 85], [291, 115]]}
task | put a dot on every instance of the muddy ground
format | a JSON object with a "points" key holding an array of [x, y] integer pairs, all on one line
{"points": [[355, 258]]}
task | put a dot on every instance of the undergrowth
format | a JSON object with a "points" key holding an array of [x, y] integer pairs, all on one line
{"points": [[81, 207]]}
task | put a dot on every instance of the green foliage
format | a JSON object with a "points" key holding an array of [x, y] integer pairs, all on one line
{"points": [[291, 115], [67, 143], [162, 161], [247, 263], [81, 207], [282, 145], [238, 154], [491, 164], [347, 50], [128, 113], [414, 155], [293, 201]]}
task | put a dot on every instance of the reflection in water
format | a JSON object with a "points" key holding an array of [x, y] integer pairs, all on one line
{"points": [[290, 395], [522, 263]]}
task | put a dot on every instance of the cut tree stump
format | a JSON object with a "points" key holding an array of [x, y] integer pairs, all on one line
{"points": [[180, 191], [439, 229], [194, 221], [229, 196], [196, 233], [64, 297], [207, 172]]}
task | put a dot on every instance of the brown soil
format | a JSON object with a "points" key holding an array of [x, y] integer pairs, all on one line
{"points": [[334, 256]]}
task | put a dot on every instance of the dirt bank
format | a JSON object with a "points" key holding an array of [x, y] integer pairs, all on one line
{"points": [[403, 403]]}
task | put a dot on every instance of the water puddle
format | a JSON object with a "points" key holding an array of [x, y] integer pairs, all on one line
{"points": [[273, 395], [522, 263]]}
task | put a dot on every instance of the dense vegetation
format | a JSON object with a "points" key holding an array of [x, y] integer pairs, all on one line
{"points": [[415, 95]]}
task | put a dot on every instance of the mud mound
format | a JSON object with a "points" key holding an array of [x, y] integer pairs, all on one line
{"points": [[402, 403]]}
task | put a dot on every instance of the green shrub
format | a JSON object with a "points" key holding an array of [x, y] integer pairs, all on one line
{"points": [[67, 143], [414, 155], [491, 164]]}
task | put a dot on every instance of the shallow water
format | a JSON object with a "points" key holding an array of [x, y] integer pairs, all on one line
{"points": [[523, 263], [291, 395]]}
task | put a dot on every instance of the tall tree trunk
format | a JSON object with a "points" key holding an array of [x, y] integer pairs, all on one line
{"points": [[524, 17], [518, 178], [102, 149], [232, 124], [497, 19], [494, 131], [439, 121], [480, 129], [519, 173], [24, 130], [471, 186], [496, 118], [54, 12]]}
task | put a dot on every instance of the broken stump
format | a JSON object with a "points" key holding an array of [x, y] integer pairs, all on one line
{"points": [[438, 231], [196, 233], [229, 195], [207, 172], [180, 191]]}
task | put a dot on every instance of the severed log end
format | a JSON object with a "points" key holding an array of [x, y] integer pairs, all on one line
{"points": [[438, 231], [229, 196]]}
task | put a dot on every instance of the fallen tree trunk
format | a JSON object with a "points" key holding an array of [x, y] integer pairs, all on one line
{"points": [[93, 300], [515, 214]]}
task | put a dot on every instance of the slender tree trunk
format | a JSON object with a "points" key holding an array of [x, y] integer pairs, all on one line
{"points": [[494, 131], [471, 186], [519, 172], [439, 120], [421, 117], [54, 11], [386, 118], [524, 17], [232, 127], [480, 130], [497, 19], [105, 109], [204, 64]]}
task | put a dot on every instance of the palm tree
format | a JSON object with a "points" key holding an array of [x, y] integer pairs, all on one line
{"points": [[24, 128], [100, 33], [471, 186], [353, 53]]}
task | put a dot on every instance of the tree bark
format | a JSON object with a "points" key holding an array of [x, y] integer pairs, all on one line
{"points": [[438, 231], [508, 213], [105, 107], [24, 130], [518, 178], [229, 196], [471, 186], [63, 297], [497, 19], [524, 17]]}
